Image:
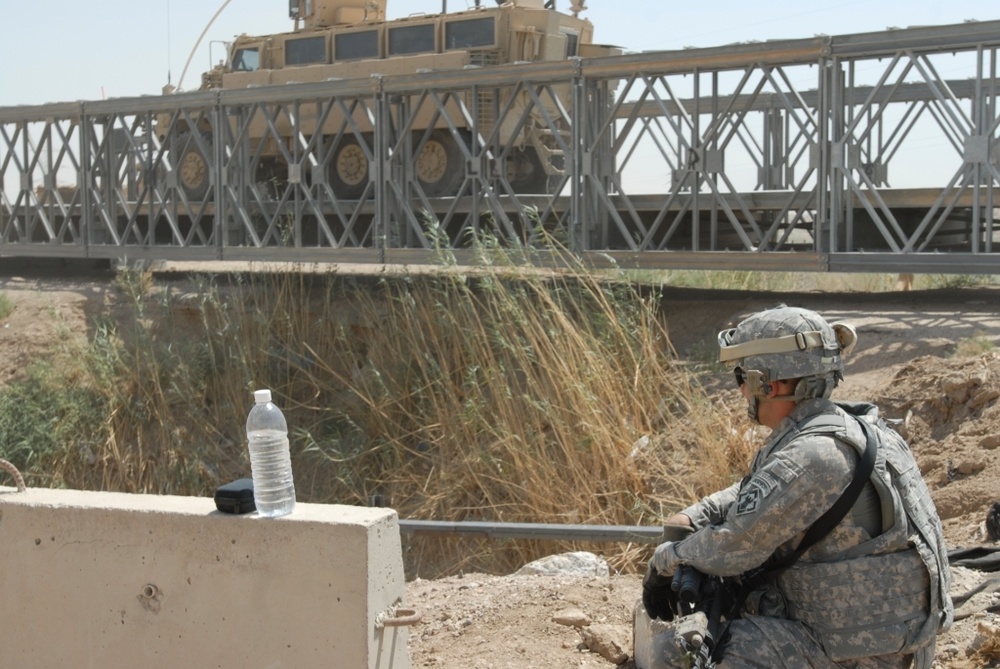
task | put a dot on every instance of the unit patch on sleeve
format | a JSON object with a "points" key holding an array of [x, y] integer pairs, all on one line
{"points": [[754, 492]]}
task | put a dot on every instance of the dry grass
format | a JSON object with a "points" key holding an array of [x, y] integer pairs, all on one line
{"points": [[988, 651], [509, 397], [510, 400]]}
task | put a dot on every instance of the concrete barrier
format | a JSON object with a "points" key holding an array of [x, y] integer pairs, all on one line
{"points": [[104, 580]]}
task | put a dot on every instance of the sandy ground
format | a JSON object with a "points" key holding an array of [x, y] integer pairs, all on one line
{"points": [[928, 358]]}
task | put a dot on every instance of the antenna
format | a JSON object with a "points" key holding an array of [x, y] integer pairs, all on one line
{"points": [[198, 43], [168, 43]]}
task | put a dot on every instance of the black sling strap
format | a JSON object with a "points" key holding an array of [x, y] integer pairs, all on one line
{"points": [[836, 513], [823, 525], [819, 529], [736, 597]]}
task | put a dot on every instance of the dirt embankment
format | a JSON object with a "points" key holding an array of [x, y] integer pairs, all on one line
{"points": [[928, 358]]}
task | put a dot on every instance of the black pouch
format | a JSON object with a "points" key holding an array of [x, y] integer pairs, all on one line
{"points": [[235, 497]]}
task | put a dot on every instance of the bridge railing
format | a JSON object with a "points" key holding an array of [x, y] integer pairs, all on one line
{"points": [[839, 153]]}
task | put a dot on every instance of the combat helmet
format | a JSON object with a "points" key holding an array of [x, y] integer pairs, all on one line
{"points": [[786, 343]]}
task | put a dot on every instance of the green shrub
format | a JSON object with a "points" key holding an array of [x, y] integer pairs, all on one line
{"points": [[6, 306], [974, 346]]}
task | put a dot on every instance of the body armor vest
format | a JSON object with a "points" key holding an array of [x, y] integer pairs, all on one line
{"points": [[889, 594]]}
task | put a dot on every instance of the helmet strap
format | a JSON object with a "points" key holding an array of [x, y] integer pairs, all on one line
{"points": [[760, 392], [754, 402], [758, 388]]}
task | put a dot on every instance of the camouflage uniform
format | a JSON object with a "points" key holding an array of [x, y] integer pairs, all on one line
{"points": [[872, 593]]}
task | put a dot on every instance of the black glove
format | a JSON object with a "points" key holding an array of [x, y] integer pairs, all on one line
{"points": [[658, 597]]}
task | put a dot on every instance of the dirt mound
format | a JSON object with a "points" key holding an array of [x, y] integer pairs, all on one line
{"points": [[950, 416], [478, 621]]}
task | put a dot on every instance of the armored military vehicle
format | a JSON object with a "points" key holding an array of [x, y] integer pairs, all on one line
{"points": [[346, 39]]}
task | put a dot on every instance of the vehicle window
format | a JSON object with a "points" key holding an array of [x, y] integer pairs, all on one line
{"points": [[411, 39], [572, 44], [469, 34], [352, 46], [246, 60], [305, 51]]}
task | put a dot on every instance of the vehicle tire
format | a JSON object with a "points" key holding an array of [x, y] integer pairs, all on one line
{"points": [[525, 173], [349, 169], [193, 171], [439, 166]]}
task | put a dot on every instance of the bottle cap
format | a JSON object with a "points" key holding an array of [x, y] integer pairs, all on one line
{"points": [[262, 396]]}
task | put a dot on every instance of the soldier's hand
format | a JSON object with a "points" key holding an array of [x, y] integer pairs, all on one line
{"points": [[658, 597], [665, 558]]}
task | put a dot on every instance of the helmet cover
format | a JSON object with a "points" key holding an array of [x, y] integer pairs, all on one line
{"points": [[788, 343]]}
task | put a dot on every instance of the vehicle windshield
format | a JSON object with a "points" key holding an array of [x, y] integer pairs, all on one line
{"points": [[246, 60]]}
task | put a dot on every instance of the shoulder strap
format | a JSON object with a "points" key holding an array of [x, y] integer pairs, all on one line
{"points": [[836, 513], [822, 527]]}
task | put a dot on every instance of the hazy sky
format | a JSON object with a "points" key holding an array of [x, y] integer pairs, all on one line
{"points": [[75, 50]]}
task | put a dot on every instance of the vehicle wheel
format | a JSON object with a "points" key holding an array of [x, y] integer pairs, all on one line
{"points": [[439, 166], [349, 170], [193, 167], [525, 173]]}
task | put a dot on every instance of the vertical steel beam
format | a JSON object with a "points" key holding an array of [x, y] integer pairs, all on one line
{"points": [[580, 115], [697, 150], [84, 180], [220, 175], [714, 211], [991, 116], [381, 155]]}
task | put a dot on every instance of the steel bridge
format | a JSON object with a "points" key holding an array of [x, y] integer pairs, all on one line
{"points": [[864, 152]]}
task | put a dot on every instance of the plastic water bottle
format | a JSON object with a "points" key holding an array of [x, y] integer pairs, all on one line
{"points": [[270, 461]]}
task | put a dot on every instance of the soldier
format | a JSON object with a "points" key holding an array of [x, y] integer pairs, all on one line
{"points": [[863, 585]]}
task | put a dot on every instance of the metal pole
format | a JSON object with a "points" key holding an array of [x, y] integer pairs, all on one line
{"points": [[542, 531]]}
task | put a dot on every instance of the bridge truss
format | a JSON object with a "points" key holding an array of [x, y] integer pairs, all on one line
{"points": [[864, 152]]}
